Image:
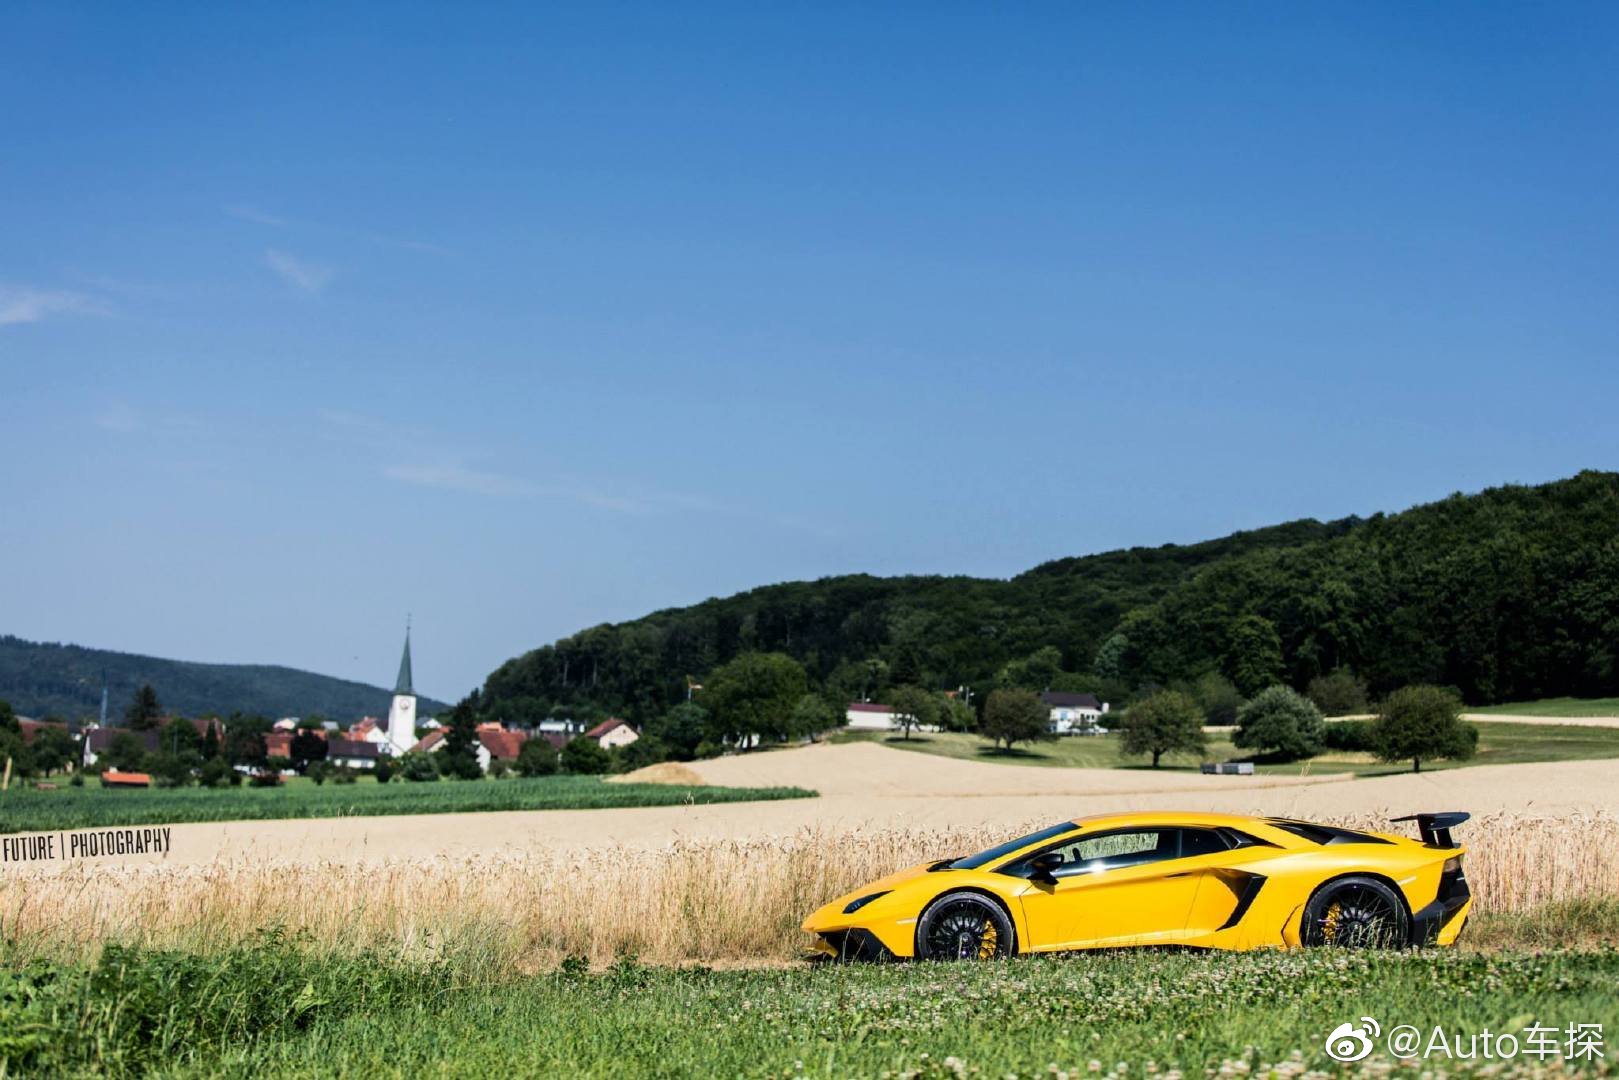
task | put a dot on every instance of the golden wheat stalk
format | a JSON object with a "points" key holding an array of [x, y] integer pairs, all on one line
{"points": [[707, 901]]}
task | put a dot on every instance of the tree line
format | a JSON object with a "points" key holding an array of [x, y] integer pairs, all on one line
{"points": [[1508, 594]]}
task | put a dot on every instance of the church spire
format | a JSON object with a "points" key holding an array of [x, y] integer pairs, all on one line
{"points": [[402, 684]]}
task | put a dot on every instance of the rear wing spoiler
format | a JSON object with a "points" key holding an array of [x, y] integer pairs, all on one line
{"points": [[1435, 828]]}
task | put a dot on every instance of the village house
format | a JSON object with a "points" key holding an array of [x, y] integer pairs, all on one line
{"points": [[98, 740], [869, 716], [494, 744], [1074, 714], [612, 732]]}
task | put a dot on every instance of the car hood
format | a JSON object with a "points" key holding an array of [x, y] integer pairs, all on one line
{"points": [[832, 911]]}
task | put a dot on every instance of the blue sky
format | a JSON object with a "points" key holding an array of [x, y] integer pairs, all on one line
{"points": [[523, 318]]}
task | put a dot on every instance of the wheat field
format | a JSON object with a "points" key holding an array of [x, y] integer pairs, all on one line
{"points": [[699, 901]]}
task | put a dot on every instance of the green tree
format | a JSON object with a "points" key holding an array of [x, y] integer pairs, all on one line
{"points": [[912, 707], [754, 695], [1111, 657], [244, 740], [811, 716], [53, 749], [143, 712], [1253, 658], [1168, 722], [306, 748], [956, 715], [1338, 693], [215, 773], [212, 746], [384, 770], [166, 769], [8, 719], [1036, 671], [1014, 716], [647, 750], [1218, 697], [1281, 722], [125, 753], [17, 752], [585, 757], [1417, 722], [459, 755], [537, 757], [683, 728], [418, 766]]}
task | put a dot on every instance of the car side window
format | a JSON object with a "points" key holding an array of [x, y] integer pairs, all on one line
{"points": [[1126, 847], [1110, 851], [1201, 842]]}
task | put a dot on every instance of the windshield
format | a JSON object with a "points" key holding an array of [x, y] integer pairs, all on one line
{"points": [[973, 862]]}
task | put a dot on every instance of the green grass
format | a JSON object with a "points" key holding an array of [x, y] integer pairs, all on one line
{"points": [[1557, 706], [1499, 744], [29, 810], [271, 1010]]}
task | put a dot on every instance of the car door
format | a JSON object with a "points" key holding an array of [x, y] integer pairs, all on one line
{"points": [[1120, 887]]}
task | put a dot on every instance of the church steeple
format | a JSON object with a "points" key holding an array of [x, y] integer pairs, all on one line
{"points": [[402, 684]]}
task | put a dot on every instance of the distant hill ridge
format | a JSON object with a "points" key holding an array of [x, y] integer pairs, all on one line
{"points": [[41, 679], [1508, 594]]}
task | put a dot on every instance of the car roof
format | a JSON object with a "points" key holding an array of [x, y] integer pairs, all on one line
{"points": [[1168, 817]]}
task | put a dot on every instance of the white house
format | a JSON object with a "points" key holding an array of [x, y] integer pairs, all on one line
{"points": [[874, 716], [869, 716], [1074, 713], [494, 743], [612, 732]]}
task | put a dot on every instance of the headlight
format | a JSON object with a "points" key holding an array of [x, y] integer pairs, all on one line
{"points": [[855, 905]]}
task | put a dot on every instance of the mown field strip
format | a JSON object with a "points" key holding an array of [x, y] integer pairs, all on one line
{"points": [[28, 810]]}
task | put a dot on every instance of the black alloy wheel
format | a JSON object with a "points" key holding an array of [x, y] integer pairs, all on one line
{"points": [[1356, 913], [963, 926]]}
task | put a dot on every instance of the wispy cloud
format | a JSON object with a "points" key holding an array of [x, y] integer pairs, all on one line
{"points": [[460, 478], [311, 277], [20, 304], [446, 468], [245, 212]]}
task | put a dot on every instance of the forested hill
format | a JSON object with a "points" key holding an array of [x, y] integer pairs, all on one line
{"points": [[1508, 594], [65, 680]]}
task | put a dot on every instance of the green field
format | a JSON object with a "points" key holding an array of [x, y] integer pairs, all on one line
{"points": [[1499, 744], [1558, 706], [29, 810], [272, 1010]]}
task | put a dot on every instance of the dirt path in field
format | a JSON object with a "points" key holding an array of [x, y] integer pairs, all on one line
{"points": [[1568, 721], [864, 785]]}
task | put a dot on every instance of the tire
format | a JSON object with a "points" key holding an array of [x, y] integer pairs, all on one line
{"points": [[964, 926], [1356, 912]]}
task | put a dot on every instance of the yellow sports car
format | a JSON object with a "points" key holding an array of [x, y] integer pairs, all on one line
{"points": [[1213, 881]]}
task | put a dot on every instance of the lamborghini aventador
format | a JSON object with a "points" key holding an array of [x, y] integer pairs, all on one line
{"points": [[1213, 881]]}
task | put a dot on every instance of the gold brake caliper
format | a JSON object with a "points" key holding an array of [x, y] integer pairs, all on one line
{"points": [[988, 941], [1329, 925]]}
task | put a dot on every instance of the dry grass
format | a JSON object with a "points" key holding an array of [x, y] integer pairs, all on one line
{"points": [[715, 902]]}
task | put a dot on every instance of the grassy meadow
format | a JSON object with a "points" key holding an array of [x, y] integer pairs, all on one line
{"points": [[1499, 743], [274, 1009], [91, 806]]}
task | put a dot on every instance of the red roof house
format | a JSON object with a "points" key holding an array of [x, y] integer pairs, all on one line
{"points": [[612, 732]]}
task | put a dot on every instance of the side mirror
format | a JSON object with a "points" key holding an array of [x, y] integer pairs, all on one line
{"points": [[1043, 867]]}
